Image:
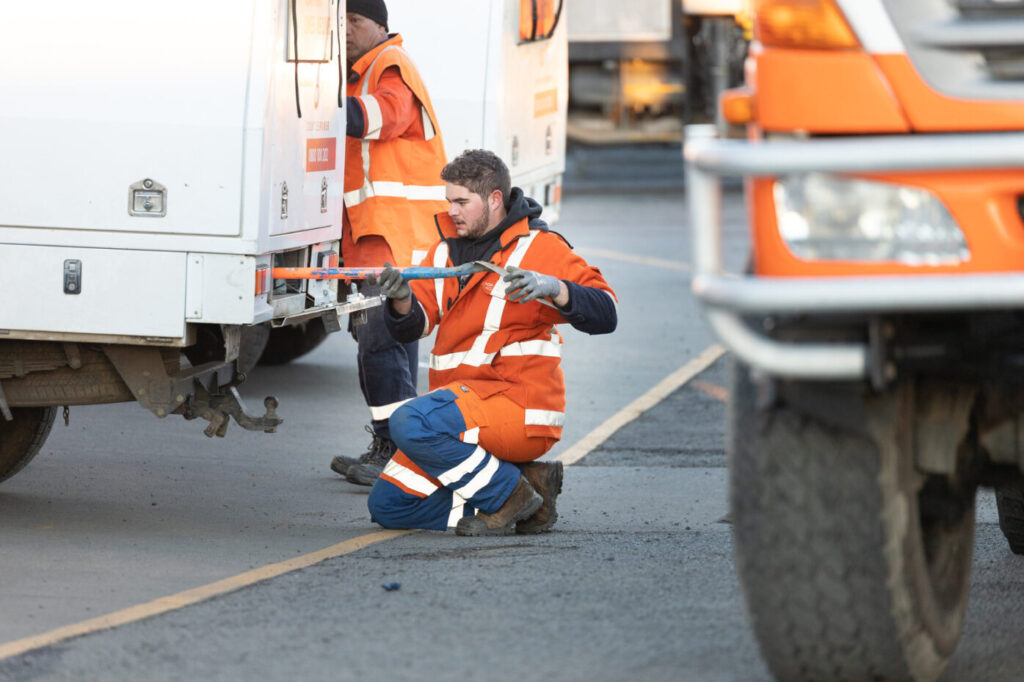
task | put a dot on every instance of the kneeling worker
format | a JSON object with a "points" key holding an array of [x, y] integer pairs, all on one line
{"points": [[466, 449]]}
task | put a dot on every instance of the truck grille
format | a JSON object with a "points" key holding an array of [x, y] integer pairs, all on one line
{"points": [[965, 48]]}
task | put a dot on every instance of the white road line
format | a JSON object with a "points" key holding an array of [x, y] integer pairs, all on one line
{"points": [[630, 258], [645, 402]]}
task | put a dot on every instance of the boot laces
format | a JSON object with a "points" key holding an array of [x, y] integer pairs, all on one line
{"points": [[380, 451]]}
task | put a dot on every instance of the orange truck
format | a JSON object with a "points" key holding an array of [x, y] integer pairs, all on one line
{"points": [[877, 334]]}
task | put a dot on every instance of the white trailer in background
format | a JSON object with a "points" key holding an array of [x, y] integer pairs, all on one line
{"points": [[158, 160], [498, 80]]}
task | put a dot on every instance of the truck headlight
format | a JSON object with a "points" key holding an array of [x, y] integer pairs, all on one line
{"points": [[827, 217]]}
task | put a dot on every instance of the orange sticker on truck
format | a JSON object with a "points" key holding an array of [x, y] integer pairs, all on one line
{"points": [[545, 102], [320, 154]]}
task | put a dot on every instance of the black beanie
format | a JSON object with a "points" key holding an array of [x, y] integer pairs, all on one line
{"points": [[375, 10]]}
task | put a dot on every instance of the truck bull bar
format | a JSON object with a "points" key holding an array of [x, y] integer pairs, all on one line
{"points": [[727, 296]]}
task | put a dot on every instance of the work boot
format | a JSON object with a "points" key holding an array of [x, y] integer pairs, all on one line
{"points": [[521, 504], [546, 479], [367, 470], [342, 463]]}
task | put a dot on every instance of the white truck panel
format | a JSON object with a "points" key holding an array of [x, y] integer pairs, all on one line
{"points": [[134, 293], [532, 90], [453, 66], [82, 129], [521, 113], [617, 21], [198, 97], [220, 288]]}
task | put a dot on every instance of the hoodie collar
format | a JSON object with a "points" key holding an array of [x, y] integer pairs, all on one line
{"points": [[523, 214]]}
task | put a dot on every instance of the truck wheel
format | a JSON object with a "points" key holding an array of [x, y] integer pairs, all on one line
{"points": [[854, 565], [22, 438], [288, 343], [1010, 502], [253, 344]]}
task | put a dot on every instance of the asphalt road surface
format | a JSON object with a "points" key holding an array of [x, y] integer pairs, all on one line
{"points": [[135, 548]]}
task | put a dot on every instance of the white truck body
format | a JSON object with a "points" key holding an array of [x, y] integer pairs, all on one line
{"points": [[490, 90], [197, 98], [161, 159]]}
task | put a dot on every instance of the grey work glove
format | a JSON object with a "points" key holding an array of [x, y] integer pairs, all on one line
{"points": [[392, 284], [527, 285]]}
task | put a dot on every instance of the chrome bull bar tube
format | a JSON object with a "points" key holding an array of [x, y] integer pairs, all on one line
{"points": [[725, 296]]}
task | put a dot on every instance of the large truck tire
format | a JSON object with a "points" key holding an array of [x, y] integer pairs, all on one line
{"points": [[846, 575], [288, 343], [22, 438], [1010, 503]]}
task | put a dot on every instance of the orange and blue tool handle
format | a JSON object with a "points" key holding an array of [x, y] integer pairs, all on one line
{"points": [[415, 272]]}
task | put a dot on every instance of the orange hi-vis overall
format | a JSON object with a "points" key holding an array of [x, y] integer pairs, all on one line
{"points": [[497, 390], [393, 186]]}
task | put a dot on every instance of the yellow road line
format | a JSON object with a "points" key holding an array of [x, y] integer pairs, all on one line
{"points": [[193, 596], [645, 402], [630, 258], [197, 594]]}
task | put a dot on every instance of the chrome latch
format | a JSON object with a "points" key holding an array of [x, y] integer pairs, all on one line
{"points": [[147, 198]]}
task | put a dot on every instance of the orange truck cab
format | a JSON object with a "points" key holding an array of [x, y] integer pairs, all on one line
{"points": [[877, 336]]}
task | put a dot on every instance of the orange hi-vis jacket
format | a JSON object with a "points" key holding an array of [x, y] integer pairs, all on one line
{"points": [[493, 345], [393, 187]]}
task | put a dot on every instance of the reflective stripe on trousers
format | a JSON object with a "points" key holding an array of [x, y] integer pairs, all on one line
{"points": [[446, 465]]}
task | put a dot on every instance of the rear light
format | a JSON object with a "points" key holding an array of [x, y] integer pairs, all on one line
{"points": [[737, 106], [552, 194], [538, 19], [262, 275], [807, 24]]}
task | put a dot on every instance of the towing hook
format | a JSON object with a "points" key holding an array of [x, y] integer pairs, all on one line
{"points": [[271, 418]]}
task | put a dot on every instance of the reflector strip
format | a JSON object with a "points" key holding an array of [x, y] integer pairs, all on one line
{"points": [[381, 412], [407, 479], [374, 118], [545, 418], [464, 467]]}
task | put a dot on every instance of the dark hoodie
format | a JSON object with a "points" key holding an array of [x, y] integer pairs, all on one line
{"points": [[463, 250], [589, 309]]}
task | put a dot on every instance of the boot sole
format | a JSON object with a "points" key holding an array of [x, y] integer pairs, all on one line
{"points": [[481, 530], [341, 468], [362, 474], [554, 482]]}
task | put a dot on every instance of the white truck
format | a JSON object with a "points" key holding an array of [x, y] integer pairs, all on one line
{"points": [[498, 77], [159, 160], [501, 85]]}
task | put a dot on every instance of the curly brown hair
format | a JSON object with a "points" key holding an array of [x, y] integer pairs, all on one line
{"points": [[481, 172]]}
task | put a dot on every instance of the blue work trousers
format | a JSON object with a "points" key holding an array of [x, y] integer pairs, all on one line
{"points": [[440, 473], [387, 369]]}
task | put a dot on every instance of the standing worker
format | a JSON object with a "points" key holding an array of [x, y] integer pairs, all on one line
{"points": [[497, 400], [393, 158]]}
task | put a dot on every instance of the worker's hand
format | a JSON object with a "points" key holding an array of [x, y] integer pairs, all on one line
{"points": [[392, 284], [527, 285]]}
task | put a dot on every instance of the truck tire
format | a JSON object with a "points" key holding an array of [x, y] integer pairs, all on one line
{"points": [[288, 343], [1010, 502], [846, 576], [22, 438], [253, 344], [95, 382]]}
